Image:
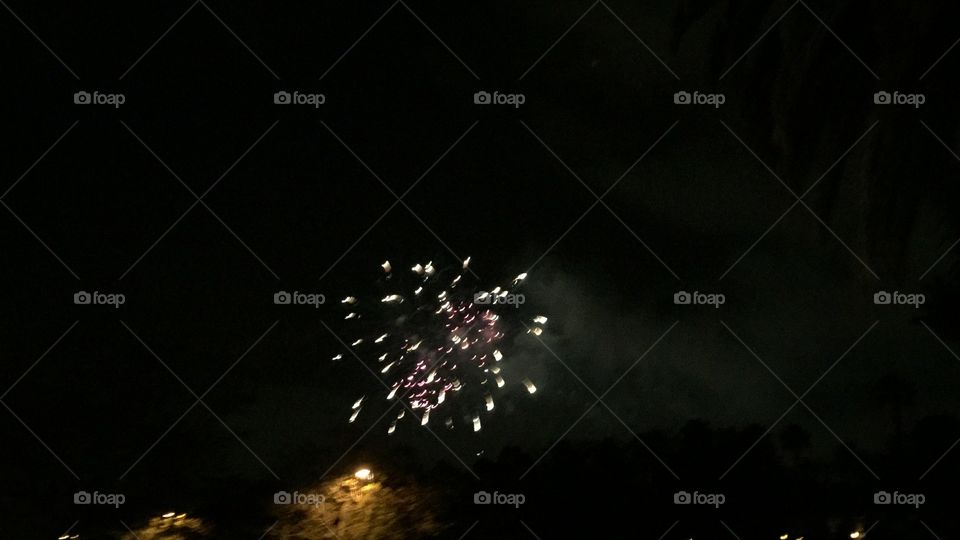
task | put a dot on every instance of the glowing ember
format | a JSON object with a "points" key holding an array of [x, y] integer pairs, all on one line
{"points": [[438, 336]]}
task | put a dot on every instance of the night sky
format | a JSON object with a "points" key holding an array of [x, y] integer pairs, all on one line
{"points": [[797, 159]]}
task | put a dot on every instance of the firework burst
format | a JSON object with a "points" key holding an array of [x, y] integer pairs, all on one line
{"points": [[438, 339]]}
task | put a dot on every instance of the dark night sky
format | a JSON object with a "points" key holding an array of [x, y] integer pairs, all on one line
{"points": [[293, 192]]}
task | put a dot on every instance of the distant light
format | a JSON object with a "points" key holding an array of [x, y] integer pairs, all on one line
{"points": [[180, 516], [168, 515], [363, 474], [530, 386], [784, 536], [855, 534]]}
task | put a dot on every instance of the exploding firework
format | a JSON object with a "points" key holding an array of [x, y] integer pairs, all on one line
{"points": [[439, 339]]}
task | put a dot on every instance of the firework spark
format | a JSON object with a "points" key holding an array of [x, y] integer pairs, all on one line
{"points": [[438, 338]]}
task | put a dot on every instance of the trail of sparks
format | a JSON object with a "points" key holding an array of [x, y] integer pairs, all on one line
{"points": [[436, 339]]}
